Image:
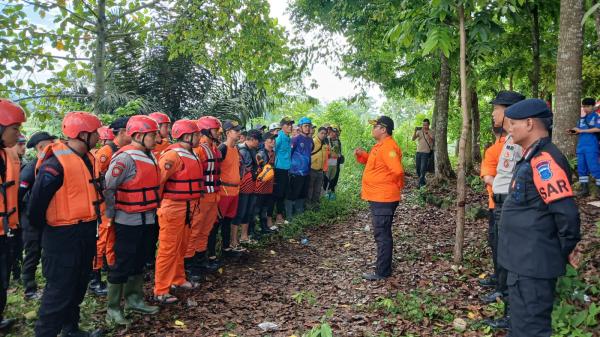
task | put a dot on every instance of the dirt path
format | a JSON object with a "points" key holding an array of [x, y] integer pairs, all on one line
{"points": [[325, 274]]}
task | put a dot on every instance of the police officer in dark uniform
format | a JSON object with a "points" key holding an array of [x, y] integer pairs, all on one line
{"points": [[540, 221], [32, 236]]}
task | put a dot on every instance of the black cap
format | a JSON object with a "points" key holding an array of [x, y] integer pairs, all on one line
{"points": [[119, 123], [588, 101], [38, 137], [260, 127], [286, 120], [256, 134], [529, 108], [231, 125], [385, 121], [508, 98]]}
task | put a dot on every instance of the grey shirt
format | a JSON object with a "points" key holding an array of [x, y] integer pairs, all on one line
{"points": [[510, 155], [121, 170]]}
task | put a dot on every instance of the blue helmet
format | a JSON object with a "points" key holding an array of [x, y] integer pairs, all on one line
{"points": [[304, 120]]}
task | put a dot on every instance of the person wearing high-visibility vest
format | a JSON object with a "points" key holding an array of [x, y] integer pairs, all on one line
{"points": [[106, 234], [106, 135], [65, 199], [181, 181], [131, 194], [164, 129], [382, 184], [11, 118]]}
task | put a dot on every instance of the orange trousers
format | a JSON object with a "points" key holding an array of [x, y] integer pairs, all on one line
{"points": [[209, 205], [104, 244], [173, 238]]}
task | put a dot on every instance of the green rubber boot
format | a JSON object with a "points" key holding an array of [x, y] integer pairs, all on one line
{"points": [[134, 296], [114, 311]]}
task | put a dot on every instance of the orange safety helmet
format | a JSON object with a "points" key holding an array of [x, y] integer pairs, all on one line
{"points": [[11, 113], [183, 127], [106, 133], [160, 117], [209, 122], [76, 122], [141, 124]]}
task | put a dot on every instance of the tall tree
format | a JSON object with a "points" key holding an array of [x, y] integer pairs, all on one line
{"points": [[568, 74], [535, 50], [443, 169]]}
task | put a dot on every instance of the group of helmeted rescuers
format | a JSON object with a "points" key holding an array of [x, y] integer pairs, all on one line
{"points": [[142, 200]]}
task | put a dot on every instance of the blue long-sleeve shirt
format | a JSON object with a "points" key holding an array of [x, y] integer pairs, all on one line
{"points": [[283, 151], [301, 152], [588, 142]]}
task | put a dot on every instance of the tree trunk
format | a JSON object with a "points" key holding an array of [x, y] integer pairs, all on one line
{"points": [[535, 48], [461, 178], [475, 126], [568, 74], [100, 54], [443, 169], [469, 145], [510, 82]]}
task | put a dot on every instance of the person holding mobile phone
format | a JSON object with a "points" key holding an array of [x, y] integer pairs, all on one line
{"points": [[424, 137]]}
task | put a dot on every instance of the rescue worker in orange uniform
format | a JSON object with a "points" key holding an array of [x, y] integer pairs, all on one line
{"points": [[181, 185], [164, 127], [195, 257], [65, 199], [106, 135], [11, 118], [132, 196], [382, 184], [106, 235]]}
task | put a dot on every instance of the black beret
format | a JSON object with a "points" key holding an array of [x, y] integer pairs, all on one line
{"points": [[588, 101], [38, 137], [507, 98], [529, 108], [119, 123]]}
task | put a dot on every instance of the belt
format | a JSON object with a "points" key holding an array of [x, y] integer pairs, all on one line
{"points": [[500, 198], [228, 184]]}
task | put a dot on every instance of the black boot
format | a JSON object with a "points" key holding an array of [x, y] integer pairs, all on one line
{"points": [[491, 298], [584, 191], [489, 282], [501, 323], [97, 286], [192, 270], [74, 331]]}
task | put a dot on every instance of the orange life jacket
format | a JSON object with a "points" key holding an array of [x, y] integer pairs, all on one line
{"points": [[230, 172], [211, 162], [139, 194], [78, 199], [159, 148], [185, 184], [9, 190]]}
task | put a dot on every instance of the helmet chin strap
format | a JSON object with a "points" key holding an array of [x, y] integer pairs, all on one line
{"points": [[2, 128], [142, 142], [86, 141]]}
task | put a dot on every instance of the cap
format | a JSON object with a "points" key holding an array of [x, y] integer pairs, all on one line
{"points": [[38, 137], [231, 125], [22, 139], [327, 126], [260, 127], [383, 120], [588, 101], [529, 108], [508, 98], [119, 123], [274, 126], [286, 120]]}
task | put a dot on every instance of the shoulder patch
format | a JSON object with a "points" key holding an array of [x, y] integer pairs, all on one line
{"points": [[168, 164], [550, 179], [103, 158], [393, 154], [51, 170]]}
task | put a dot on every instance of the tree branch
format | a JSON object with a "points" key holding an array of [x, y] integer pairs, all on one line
{"points": [[51, 96], [56, 5], [89, 8], [133, 10]]}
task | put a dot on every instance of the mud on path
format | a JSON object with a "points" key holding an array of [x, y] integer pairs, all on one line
{"points": [[326, 275]]}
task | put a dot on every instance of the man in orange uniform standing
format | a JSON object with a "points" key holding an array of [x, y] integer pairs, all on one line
{"points": [[106, 235], [132, 197], [106, 136], [181, 186], [164, 127], [65, 199], [208, 152], [382, 183], [11, 118]]}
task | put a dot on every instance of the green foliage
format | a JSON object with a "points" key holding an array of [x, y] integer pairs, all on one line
{"points": [[308, 297], [415, 306]]}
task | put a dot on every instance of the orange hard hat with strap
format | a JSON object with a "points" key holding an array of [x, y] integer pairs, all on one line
{"points": [[160, 117], [11, 113]]}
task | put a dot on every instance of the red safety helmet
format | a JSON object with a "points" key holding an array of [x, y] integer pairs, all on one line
{"points": [[141, 124], [183, 127], [106, 133], [160, 117], [76, 122], [209, 122], [11, 113]]}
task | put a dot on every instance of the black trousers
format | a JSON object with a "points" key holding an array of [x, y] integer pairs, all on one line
{"points": [[501, 272], [421, 163], [531, 301], [32, 239], [382, 214], [280, 187], [298, 188], [130, 252], [16, 252], [224, 225], [493, 239], [5, 268], [67, 254], [150, 243]]}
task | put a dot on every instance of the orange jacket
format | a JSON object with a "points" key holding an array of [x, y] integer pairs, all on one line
{"points": [[139, 194], [211, 161], [104, 155], [383, 178], [186, 182], [230, 172], [76, 200], [159, 148], [10, 186], [489, 164]]}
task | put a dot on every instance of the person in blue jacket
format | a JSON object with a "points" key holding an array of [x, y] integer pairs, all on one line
{"points": [[587, 145], [302, 146], [283, 158]]}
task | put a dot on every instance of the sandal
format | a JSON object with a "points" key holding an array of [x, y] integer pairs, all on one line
{"points": [[239, 249], [166, 299], [188, 285], [248, 242]]}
